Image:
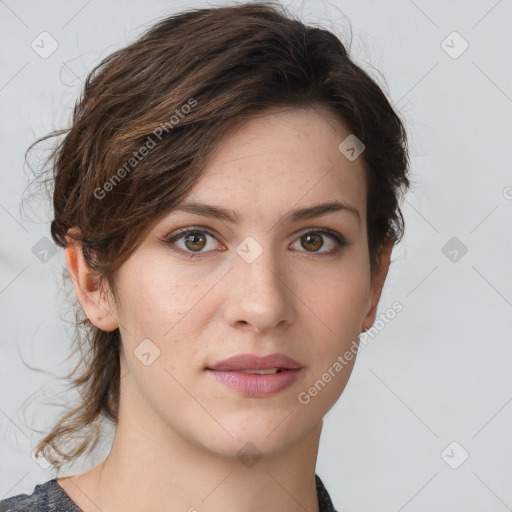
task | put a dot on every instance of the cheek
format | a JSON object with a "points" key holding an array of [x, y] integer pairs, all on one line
{"points": [[343, 299], [154, 297], [162, 303]]}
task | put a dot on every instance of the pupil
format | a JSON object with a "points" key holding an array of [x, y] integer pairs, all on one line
{"points": [[191, 239], [313, 245]]}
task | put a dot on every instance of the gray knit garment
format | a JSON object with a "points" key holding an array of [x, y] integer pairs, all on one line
{"points": [[51, 497]]}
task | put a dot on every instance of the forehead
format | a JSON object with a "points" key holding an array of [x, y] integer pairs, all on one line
{"points": [[282, 159]]}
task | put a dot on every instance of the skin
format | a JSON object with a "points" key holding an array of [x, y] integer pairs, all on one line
{"points": [[179, 429]]}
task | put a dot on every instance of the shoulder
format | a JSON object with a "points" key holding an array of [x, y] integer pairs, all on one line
{"points": [[324, 500], [46, 497]]}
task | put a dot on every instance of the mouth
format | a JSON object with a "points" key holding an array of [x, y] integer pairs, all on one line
{"points": [[257, 383], [254, 362], [252, 375], [265, 371]]}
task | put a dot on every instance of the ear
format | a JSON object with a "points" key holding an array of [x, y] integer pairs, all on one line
{"points": [[377, 281], [95, 300]]}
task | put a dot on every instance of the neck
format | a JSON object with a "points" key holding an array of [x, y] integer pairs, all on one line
{"points": [[181, 477]]}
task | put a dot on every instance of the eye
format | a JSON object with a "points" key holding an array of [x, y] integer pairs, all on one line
{"points": [[194, 240], [314, 240]]}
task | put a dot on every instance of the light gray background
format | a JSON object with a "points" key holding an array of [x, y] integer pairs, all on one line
{"points": [[437, 373]]}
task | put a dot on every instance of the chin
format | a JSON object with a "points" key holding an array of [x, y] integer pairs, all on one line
{"points": [[258, 433]]}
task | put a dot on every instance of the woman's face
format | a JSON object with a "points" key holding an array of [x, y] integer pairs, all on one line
{"points": [[268, 283]]}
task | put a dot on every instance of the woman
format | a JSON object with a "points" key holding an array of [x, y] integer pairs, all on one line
{"points": [[228, 199]]}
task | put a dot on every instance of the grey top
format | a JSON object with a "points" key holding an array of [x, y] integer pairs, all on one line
{"points": [[51, 497]]}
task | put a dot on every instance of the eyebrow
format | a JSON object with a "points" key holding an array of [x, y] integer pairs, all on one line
{"points": [[309, 212]]}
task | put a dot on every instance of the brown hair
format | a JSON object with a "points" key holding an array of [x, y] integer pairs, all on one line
{"points": [[151, 115]]}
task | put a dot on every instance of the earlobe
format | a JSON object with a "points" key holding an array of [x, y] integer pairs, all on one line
{"points": [[377, 281], [93, 298]]}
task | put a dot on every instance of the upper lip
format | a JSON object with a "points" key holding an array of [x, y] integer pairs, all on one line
{"points": [[254, 362]]}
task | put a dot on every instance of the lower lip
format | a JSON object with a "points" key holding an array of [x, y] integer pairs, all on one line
{"points": [[257, 385]]}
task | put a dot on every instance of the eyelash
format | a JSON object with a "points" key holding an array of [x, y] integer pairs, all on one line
{"points": [[338, 239]]}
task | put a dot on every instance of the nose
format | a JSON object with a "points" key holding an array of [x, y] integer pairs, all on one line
{"points": [[260, 294]]}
